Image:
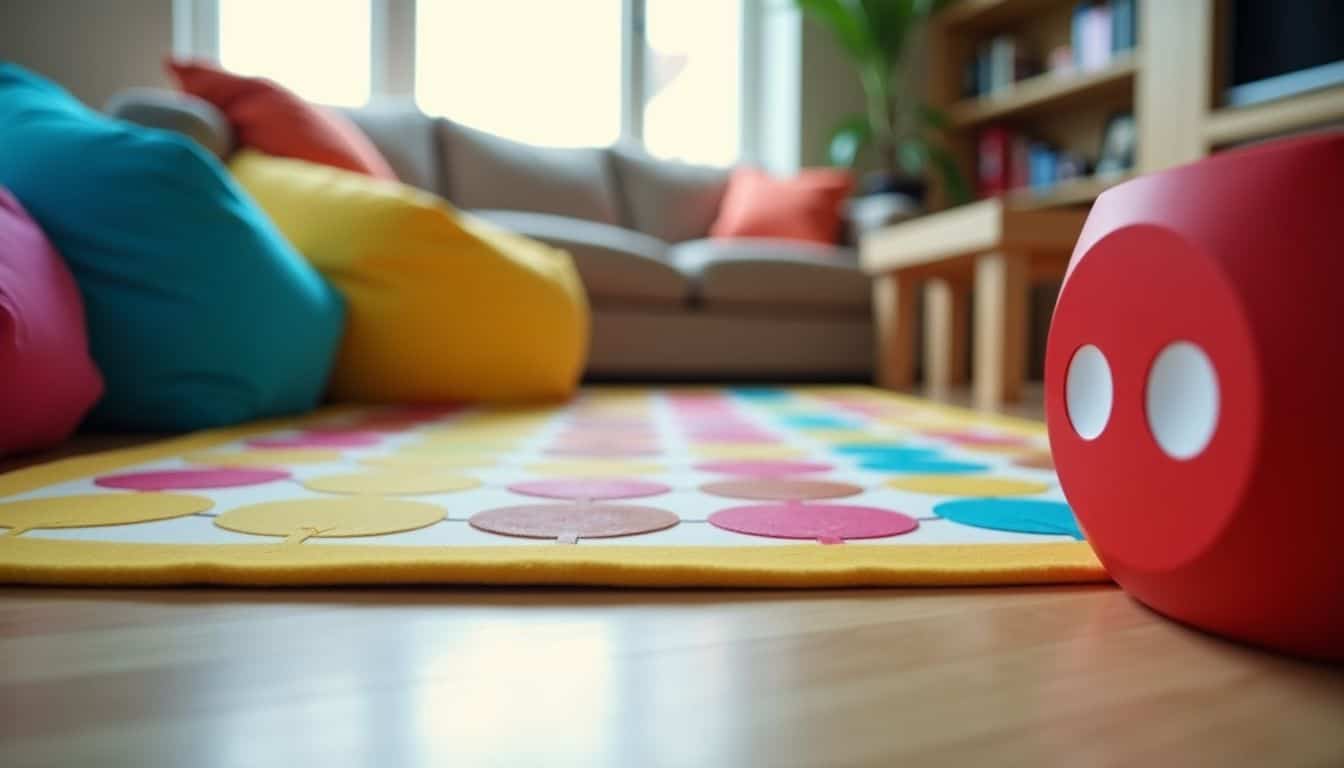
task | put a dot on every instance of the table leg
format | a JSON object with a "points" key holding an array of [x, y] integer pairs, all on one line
{"points": [[894, 314], [1000, 344], [946, 315]]}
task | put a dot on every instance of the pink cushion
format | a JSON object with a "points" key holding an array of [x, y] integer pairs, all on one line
{"points": [[47, 379], [804, 207]]}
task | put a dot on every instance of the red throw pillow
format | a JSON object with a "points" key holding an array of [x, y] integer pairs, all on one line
{"points": [[804, 207], [273, 120]]}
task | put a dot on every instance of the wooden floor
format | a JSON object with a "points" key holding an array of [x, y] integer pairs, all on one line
{"points": [[1066, 676]]}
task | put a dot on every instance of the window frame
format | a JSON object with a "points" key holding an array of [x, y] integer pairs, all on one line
{"points": [[392, 58]]}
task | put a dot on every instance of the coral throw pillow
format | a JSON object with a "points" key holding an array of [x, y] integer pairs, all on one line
{"points": [[199, 313], [443, 307], [271, 119], [47, 378], [804, 207]]}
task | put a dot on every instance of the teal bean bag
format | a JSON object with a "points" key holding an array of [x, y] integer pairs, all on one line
{"points": [[199, 313]]}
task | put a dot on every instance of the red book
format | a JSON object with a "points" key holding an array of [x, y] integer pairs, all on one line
{"points": [[994, 161]]}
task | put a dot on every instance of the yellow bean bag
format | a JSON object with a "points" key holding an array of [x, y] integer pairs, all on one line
{"points": [[441, 306]]}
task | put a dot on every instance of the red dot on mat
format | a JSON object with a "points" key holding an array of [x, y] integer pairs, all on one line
{"points": [[590, 488], [184, 479], [825, 522]]}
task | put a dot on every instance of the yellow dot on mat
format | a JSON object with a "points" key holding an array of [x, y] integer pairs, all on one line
{"points": [[330, 518], [579, 468], [265, 457], [92, 510], [401, 481], [438, 448], [967, 485], [523, 417], [463, 437], [429, 461], [1009, 450], [481, 428], [747, 451]]}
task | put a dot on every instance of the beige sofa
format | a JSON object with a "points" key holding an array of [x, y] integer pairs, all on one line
{"points": [[667, 301]]}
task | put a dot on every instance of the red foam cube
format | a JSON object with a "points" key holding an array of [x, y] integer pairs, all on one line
{"points": [[1195, 392]]}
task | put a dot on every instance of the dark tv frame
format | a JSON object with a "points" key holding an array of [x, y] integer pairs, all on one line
{"points": [[1285, 85]]}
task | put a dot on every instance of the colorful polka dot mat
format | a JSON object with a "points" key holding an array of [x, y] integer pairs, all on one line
{"points": [[726, 487]]}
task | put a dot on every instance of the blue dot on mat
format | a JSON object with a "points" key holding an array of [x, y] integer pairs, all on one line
{"points": [[820, 421], [924, 465], [1016, 515], [762, 393], [872, 451]]}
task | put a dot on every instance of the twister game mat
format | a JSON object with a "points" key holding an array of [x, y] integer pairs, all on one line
{"points": [[782, 487]]}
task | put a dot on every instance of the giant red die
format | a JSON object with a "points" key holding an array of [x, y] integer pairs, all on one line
{"points": [[1195, 392]]}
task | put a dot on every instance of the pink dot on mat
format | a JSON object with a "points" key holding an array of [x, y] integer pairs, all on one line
{"points": [[572, 521], [324, 439], [590, 488], [977, 438], [827, 523], [185, 479], [763, 468], [603, 450]]}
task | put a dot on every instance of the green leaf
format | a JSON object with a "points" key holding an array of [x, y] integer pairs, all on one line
{"points": [[846, 22], [934, 117], [848, 138], [958, 191], [891, 22], [913, 156]]}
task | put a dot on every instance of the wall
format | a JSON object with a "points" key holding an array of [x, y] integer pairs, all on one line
{"points": [[92, 47], [829, 91]]}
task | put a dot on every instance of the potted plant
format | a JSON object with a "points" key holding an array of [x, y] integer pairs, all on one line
{"points": [[897, 126]]}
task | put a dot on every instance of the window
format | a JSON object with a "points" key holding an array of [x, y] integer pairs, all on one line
{"points": [[531, 70], [328, 66], [667, 73], [692, 79]]}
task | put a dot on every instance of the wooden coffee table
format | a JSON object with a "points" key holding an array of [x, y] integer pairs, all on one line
{"points": [[988, 252]]}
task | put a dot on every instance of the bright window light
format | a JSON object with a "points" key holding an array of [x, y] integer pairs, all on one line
{"points": [[317, 48], [539, 71], [693, 79]]}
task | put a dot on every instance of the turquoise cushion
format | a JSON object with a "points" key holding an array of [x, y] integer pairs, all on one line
{"points": [[200, 314]]}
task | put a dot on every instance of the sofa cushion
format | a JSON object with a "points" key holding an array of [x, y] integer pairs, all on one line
{"points": [[443, 307], [615, 264], [483, 171], [173, 111], [49, 380], [270, 118], [805, 206], [406, 139], [199, 313], [671, 201], [753, 271]]}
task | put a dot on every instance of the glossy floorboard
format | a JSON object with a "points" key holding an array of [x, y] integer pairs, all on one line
{"points": [[1003, 677]]}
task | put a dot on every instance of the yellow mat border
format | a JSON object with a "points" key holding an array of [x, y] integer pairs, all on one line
{"points": [[64, 562]]}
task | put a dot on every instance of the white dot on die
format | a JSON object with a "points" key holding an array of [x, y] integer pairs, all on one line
{"points": [[1181, 400], [1088, 392]]}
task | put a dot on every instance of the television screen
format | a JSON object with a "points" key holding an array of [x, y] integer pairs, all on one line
{"points": [[1283, 48]]}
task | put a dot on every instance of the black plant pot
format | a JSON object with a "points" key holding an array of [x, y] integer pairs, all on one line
{"points": [[885, 183]]}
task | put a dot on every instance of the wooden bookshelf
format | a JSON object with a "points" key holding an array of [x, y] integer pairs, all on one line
{"points": [[1049, 91], [982, 14], [1074, 192], [1230, 125], [1068, 109]]}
